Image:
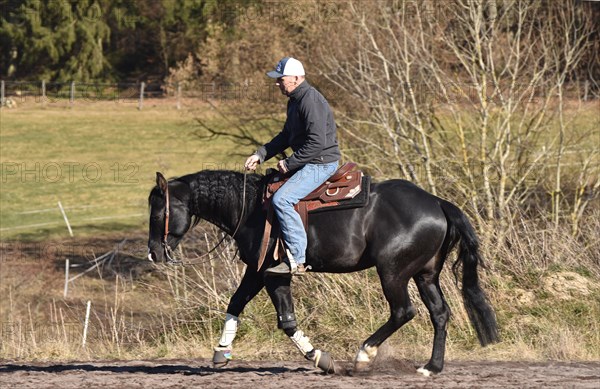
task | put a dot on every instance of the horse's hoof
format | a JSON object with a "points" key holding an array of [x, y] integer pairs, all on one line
{"points": [[221, 358], [361, 367], [425, 372], [325, 363]]}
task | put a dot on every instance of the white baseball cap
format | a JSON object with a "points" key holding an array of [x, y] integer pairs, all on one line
{"points": [[288, 66]]}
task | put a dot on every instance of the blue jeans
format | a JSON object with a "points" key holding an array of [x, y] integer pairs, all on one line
{"points": [[304, 181]]}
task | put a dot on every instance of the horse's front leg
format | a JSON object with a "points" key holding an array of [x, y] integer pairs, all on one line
{"points": [[251, 284], [280, 293]]}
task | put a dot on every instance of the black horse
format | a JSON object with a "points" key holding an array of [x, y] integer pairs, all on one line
{"points": [[404, 231]]}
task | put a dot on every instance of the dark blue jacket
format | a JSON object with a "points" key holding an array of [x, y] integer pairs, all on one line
{"points": [[309, 130]]}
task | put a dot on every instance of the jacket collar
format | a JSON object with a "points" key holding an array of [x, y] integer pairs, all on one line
{"points": [[300, 90]]}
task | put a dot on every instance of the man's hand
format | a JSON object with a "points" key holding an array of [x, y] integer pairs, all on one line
{"points": [[282, 166], [252, 162]]}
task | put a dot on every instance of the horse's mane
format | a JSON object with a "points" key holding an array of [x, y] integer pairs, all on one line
{"points": [[219, 193]]}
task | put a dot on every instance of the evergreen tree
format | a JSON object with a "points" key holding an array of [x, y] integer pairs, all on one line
{"points": [[149, 37], [56, 40]]}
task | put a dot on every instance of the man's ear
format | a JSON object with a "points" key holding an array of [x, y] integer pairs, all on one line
{"points": [[162, 183]]}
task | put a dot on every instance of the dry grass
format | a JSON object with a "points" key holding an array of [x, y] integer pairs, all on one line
{"points": [[177, 312]]}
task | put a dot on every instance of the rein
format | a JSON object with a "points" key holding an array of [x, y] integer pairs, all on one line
{"points": [[167, 249]]}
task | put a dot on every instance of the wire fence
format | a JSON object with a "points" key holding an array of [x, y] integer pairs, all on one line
{"points": [[77, 216], [71, 93], [13, 93]]}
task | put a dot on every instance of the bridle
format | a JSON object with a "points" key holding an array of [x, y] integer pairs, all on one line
{"points": [[168, 251]]}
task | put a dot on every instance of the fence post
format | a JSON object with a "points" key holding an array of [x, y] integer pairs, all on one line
{"points": [[586, 89], [141, 101], [62, 210], [43, 91], [178, 96], [66, 289], [86, 323], [1, 93], [72, 94]]}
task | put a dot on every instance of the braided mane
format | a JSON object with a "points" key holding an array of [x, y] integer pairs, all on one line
{"points": [[218, 194]]}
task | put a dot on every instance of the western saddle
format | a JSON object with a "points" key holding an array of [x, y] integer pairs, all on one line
{"points": [[344, 185]]}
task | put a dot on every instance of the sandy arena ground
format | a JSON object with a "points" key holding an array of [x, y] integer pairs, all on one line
{"points": [[244, 374]]}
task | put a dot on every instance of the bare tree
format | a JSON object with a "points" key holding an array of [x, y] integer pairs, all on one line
{"points": [[466, 91]]}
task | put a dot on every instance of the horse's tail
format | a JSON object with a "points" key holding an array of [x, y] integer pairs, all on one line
{"points": [[476, 303]]}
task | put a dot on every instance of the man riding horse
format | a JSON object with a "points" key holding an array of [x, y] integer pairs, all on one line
{"points": [[310, 131], [403, 231]]}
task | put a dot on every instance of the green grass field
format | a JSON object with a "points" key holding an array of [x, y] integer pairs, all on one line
{"points": [[99, 160]]}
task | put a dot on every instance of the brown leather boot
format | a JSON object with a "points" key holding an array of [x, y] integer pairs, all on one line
{"points": [[285, 269]]}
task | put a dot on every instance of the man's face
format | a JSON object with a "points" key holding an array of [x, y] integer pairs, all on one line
{"points": [[287, 84]]}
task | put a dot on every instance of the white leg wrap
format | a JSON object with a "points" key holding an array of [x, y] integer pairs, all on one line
{"points": [[229, 330], [317, 357], [302, 342], [424, 371], [366, 354]]}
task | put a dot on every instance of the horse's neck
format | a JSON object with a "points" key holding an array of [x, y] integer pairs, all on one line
{"points": [[219, 198]]}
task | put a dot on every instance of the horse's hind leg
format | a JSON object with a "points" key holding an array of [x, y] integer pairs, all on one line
{"points": [[428, 284], [402, 311]]}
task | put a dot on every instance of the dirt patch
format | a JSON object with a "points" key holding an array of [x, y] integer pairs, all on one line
{"points": [[264, 374], [568, 285]]}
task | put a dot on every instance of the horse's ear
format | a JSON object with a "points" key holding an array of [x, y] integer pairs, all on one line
{"points": [[162, 183]]}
